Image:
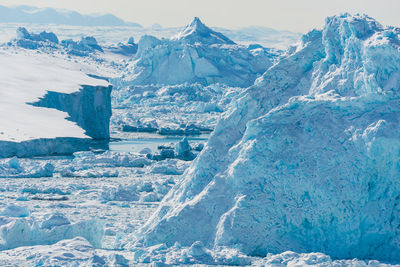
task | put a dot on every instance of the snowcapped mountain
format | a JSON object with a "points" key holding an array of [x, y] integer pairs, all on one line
{"points": [[30, 14], [196, 54], [307, 158]]}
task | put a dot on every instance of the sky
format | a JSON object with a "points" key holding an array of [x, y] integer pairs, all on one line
{"points": [[293, 15]]}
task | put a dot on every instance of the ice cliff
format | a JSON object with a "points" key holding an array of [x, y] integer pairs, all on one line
{"points": [[49, 106], [90, 108], [197, 54], [306, 160]]}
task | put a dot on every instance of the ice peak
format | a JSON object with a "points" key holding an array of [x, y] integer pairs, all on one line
{"points": [[197, 25], [198, 32], [361, 26]]}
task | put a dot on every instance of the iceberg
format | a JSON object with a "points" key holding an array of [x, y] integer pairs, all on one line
{"points": [[33, 41], [49, 106], [48, 42], [18, 232], [196, 54], [305, 160]]}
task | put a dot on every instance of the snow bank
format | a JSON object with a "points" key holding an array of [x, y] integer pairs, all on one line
{"points": [[77, 106], [306, 159]]}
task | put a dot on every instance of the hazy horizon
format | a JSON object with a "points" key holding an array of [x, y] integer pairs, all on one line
{"points": [[297, 16]]}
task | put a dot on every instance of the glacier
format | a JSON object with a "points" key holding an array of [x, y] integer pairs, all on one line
{"points": [[305, 160]]}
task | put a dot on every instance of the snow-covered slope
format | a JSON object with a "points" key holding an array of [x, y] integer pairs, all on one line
{"points": [[28, 77], [306, 160], [197, 54]]}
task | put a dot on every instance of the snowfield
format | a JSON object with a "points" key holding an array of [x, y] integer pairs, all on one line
{"points": [[24, 79], [29, 128], [217, 152]]}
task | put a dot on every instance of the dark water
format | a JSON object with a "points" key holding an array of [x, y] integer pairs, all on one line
{"points": [[137, 144]]}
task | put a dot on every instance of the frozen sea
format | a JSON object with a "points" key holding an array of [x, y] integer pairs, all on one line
{"points": [[47, 204]]}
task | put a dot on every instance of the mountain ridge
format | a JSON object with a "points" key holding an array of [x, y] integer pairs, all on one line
{"points": [[31, 14]]}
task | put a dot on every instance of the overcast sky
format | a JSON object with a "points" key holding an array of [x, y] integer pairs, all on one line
{"points": [[294, 15]]}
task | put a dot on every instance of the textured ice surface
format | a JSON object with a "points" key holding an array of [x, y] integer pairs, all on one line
{"points": [[91, 165], [178, 110], [79, 252], [46, 210], [55, 227], [306, 159]]}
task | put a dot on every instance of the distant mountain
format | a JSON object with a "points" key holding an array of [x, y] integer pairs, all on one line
{"points": [[29, 14]]}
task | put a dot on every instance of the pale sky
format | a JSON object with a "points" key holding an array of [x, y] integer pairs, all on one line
{"points": [[294, 15]]}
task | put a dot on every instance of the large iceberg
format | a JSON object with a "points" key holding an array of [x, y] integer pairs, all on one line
{"points": [[197, 54], [307, 158], [49, 105]]}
